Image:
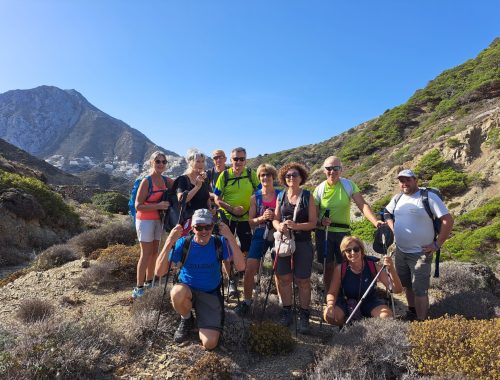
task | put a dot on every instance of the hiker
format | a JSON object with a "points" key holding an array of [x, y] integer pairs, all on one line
{"points": [[148, 222], [335, 194], [295, 215], [351, 280], [200, 279], [219, 159], [194, 181], [233, 190], [260, 217], [414, 235]]}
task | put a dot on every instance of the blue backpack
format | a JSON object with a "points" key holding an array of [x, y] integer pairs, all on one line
{"points": [[135, 189]]}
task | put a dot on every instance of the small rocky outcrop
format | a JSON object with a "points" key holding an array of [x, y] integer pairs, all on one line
{"points": [[21, 204]]}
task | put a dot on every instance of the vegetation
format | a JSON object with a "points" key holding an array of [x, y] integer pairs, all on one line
{"points": [[34, 310], [210, 366], [57, 213], [112, 202], [430, 164], [450, 182], [363, 229], [268, 338], [453, 142], [55, 256], [467, 348]]}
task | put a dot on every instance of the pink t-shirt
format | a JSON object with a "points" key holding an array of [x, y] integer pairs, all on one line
{"points": [[155, 197]]}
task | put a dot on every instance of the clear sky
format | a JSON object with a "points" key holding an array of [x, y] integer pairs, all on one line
{"points": [[266, 75]]}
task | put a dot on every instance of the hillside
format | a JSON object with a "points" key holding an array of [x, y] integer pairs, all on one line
{"points": [[457, 113], [63, 128]]}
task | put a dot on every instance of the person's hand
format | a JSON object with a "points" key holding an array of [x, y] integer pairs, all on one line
{"points": [[283, 228], [388, 262], [238, 210], [224, 230], [326, 221], [268, 214], [291, 225], [200, 178], [330, 312], [433, 247], [175, 234], [380, 223], [163, 205]]}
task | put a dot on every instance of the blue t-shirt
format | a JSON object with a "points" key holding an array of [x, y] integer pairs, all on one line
{"points": [[201, 271]]}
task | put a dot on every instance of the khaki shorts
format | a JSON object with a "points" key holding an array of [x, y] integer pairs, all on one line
{"points": [[414, 270]]}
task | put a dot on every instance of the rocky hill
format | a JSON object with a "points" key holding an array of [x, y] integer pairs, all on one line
{"points": [[63, 128], [457, 113]]}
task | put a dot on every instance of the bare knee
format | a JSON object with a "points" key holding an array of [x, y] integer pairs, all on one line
{"points": [[180, 293], [209, 338], [382, 312]]}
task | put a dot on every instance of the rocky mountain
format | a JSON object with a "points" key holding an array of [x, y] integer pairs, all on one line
{"points": [[457, 114], [64, 129]]}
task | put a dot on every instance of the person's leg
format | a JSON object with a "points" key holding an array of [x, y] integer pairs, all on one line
{"points": [[285, 288], [150, 269], [304, 285], [421, 271], [382, 311], [403, 268], [209, 338], [144, 260], [181, 297], [249, 281]]}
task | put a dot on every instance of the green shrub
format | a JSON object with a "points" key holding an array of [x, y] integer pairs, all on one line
{"points": [[453, 142], [493, 138], [381, 203], [443, 131], [34, 310], [480, 216], [444, 346], [450, 182], [430, 164], [111, 202], [57, 213], [363, 229], [268, 338]]}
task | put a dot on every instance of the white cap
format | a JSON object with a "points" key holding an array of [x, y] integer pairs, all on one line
{"points": [[407, 173], [202, 216]]}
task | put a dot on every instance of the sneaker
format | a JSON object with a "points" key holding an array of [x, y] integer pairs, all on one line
{"points": [[285, 317], [183, 330], [233, 289], [148, 284], [137, 292], [304, 321], [242, 309]]}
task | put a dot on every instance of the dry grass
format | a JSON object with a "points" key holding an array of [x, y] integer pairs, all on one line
{"points": [[34, 310], [55, 256]]}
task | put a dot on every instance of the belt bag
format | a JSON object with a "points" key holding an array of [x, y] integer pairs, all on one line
{"points": [[284, 245]]}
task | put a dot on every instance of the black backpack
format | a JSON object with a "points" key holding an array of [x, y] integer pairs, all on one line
{"points": [[436, 222], [171, 217], [248, 175]]}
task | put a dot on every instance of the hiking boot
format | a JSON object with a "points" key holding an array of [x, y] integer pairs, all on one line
{"points": [[242, 309], [410, 316], [233, 289], [137, 292], [285, 317], [183, 330], [304, 321]]}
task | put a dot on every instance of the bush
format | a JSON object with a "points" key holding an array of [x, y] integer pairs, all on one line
{"points": [[55, 256], [57, 213], [112, 202], [450, 182], [455, 345], [98, 276], [34, 310], [370, 349], [113, 233], [363, 229], [480, 216], [268, 338], [210, 366], [430, 164], [123, 259], [453, 142]]}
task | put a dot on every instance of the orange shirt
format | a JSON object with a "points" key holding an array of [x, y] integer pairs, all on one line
{"points": [[155, 197]]}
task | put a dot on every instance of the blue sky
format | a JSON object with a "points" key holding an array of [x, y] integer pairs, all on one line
{"points": [[266, 75]]}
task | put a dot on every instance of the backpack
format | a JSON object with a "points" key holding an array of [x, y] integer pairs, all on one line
{"points": [[258, 199], [234, 179], [304, 199], [171, 218], [135, 189], [436, 222], [347, 186], [370, 261]]}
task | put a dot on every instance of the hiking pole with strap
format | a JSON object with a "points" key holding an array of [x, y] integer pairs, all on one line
{"points": [[292, 267], [163, 214], [182, 209], [325, 252], [389, 278]]}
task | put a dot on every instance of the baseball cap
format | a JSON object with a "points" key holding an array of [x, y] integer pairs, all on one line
{"points": [[202, 216], [407, 173], [382, 238]]}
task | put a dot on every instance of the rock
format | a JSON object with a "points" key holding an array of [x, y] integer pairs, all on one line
{"points": [[21, 204], [85, 263]]}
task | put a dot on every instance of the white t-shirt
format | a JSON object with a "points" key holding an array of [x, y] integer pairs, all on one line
{"points": [[413, 228]]}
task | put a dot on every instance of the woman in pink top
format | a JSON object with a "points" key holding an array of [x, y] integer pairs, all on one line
{"points": [[148, 223]]}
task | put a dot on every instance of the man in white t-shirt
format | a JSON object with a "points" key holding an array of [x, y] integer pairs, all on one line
{"points": [[415, 244]]}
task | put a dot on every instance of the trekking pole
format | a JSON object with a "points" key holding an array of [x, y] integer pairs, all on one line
{"points": [[163, 214], [325, 252], [181, 212], [389, 278], [275, 264], [256, 291], [230, 274], [292, 267]]}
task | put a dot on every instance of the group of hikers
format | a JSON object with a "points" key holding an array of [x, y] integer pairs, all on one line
{"points": [[235, 216]]}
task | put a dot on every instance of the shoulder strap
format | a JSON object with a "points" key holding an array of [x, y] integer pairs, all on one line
{"points": [[343, 269], [186, 247], [347, 185], [218, 248], [258, 201], [165, 180], [372, 267], [150, 184], [424, 195]]}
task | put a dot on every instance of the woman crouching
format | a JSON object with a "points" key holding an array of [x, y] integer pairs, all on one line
{"points": [[351, 280]]}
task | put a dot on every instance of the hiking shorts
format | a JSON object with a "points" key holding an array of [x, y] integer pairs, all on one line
{"points": [[243, 231], [148, 230], [302, 261], [366, 307], [259, 245], [334, 240], [414, 270], [209, 309]]}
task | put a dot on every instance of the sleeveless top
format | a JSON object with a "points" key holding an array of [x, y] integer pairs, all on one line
{"points": [[155, 197], [287, 211]]}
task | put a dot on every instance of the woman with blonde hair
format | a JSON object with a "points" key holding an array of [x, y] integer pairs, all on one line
{"points": [[295, 215], [148, 205], [351, 280]]}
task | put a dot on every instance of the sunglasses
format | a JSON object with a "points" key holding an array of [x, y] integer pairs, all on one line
{"points": [[218, 158], [161, 162], [263, 175], [207, 227], [236, 159], [353, 249], [292, 175], [337, 168]]}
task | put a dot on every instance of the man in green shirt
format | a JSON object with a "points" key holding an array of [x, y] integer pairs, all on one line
{"points": [[335, 194]]}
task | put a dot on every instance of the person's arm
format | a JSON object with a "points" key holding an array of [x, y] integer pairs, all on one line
{"points": [[444, 233], [253, 219], [331, 297], [142, 195], [162, 262], [237, 255], [277, 223], [365, 209], [384, 277]]}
